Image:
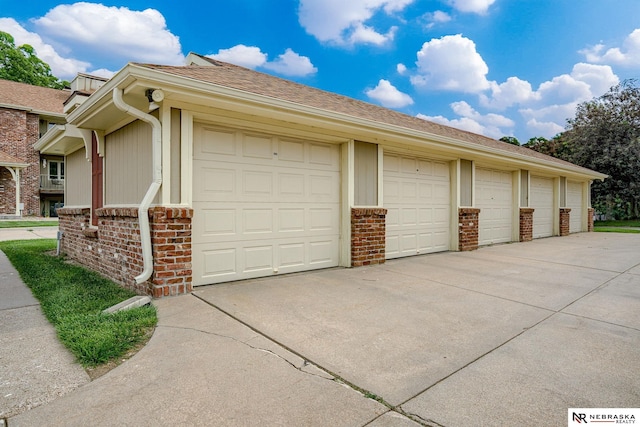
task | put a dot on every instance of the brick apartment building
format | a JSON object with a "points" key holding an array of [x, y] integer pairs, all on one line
{"points": [[32, 184]]}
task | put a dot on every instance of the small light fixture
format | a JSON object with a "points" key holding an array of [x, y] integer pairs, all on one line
{"points": [[44, 163], [154, 96]]}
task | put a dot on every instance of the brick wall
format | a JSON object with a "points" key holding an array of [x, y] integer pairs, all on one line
{"points": [[115, 251], [19, 130], [468, 227], [590, 212], [565, 217], [368, 228], [526, 224]]}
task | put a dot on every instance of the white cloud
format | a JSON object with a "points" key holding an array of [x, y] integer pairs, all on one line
{"points": [[115, 32], [511, 92], [292, 64], [437, 17], [245, 56], [472, 6], [401, 69], [289, 63], [64, 68], [451, 63], [464, 123], [556, 100], [600, 78], [343, 22], [491, 125], [628, 55], [368, 35], [387, 95], [102, 72], [546, 129]]}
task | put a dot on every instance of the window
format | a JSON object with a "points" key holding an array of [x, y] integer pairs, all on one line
{"points": [[56, 169]]}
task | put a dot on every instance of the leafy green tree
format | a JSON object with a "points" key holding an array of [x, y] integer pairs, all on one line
{"points": [[556, 146], [510, 140], [605, 136], [21, 64]]}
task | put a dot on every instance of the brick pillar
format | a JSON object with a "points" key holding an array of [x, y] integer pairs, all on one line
{"points": [[468, 226], [526, 224], [368, 228], [590, 212], [565, 217], [171, 242]]}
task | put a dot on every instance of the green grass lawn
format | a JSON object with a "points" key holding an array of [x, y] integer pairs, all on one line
{"points": [[27, 223], [72, 299], [616, 226], [626, 223]]}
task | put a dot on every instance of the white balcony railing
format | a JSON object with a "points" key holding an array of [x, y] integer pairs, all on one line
{"points": [[51, 183]]}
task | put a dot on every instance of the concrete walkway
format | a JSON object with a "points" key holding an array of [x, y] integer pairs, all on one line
{"points": [[506, 335], [34, 366]]}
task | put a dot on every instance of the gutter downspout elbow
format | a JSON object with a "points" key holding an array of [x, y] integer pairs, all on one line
{"points": [[143, 209]]}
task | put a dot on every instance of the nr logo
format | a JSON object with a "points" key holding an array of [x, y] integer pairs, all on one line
{"points": [[580, 418]]}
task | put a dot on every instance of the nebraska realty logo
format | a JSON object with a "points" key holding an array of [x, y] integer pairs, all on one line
{"points": [[599, 416]]}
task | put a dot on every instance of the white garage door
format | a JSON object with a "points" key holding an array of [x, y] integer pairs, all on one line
{"points": [[262, 205], [574, 201], [494, 198], [417, 199], [542, 201]]}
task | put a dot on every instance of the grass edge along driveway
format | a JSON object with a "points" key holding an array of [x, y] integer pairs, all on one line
{"points": [[628, 226], [72, 298]]}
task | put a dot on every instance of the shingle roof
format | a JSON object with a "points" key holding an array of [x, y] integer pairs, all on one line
{"points": [[233, 76], [33, 97]]}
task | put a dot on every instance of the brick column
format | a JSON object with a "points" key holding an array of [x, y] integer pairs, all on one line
{"points": [[565, 217], [171, 241], [114, 248], [468, 227], [368, 228], [590, 212], [526, 224]]}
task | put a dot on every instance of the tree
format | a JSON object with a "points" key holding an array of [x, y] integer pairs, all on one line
{"points": [[555, 146], [20, 64], [510, 140], [605, 136]]}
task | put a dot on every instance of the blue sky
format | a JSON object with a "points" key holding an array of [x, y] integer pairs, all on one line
{"points": [[495, 67]]}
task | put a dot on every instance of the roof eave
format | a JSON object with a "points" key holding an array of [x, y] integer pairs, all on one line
{"points": [[133, 72]]}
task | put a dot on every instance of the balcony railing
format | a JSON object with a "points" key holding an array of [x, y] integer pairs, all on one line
{"points": [[51, 183]]}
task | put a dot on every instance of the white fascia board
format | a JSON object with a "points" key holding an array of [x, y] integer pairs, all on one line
{"points": [[142, 75], [48, 137], [32, 110]]}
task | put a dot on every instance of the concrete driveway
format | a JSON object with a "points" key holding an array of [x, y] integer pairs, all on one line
{"points": [[506, 335]]}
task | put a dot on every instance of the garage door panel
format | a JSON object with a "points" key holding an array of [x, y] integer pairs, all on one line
{"points": [[215, 143], [257, 147], [541, 201], [494, 198], [416, 196], [268, 205]]}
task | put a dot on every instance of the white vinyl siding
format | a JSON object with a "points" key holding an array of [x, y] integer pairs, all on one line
{"points": [[494, 198], [417, 197], [78, 179], [128, 164], [574, 201], [263, 204]]}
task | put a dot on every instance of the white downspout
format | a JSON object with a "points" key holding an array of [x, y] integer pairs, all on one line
{"points": [[143, 210]]}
